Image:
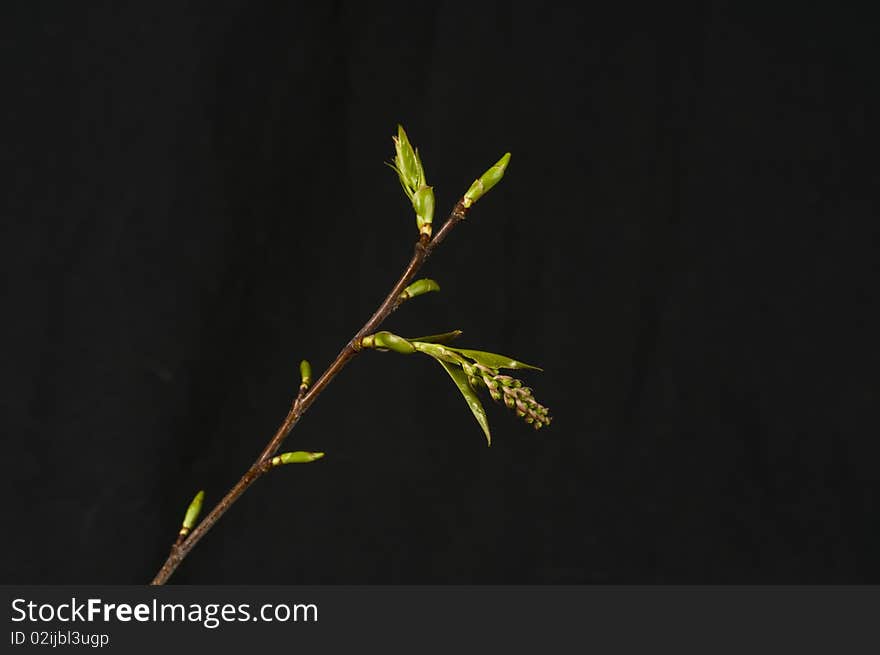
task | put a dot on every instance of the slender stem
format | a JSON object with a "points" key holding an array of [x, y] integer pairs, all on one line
{"points": [[423, 249]]}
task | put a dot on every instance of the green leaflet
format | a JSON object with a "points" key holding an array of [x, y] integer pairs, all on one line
{"points": [[446, 337], [407, 163], [493, 360], [419, 167], [400, 179], [470, 396]]}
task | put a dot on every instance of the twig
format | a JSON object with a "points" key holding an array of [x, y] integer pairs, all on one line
{"points": [[423, 249]]}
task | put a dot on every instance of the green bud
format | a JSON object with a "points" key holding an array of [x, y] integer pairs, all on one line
{"points": [[419, 287], [387, 341], [423, 204], [192, 513], [486, 181], [305, 374], [407, 163], [296, 457]]}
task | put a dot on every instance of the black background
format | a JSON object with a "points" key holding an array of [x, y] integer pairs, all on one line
{"points": [[195, 199]]}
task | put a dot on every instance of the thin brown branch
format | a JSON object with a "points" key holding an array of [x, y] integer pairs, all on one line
{"points": [[423, 249]]}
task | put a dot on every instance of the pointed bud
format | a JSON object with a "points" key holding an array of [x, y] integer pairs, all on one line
{"points": [[486, 181], [406, 163], [192, 514], [305, 374], [296, 457], [423, 204], [418, 288]]}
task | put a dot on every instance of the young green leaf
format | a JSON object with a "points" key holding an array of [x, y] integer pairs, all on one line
{"points": [[446, 337], [461, 381], [405, 188], [407, 163], [493, 360]]}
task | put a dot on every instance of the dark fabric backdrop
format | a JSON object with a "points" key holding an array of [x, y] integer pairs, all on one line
{"points": [[195, 199]]}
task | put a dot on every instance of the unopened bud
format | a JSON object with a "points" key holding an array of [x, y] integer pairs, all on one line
{"points": [[192, 514], [388, 341], [305, 373], [296, 457], [418, 288], [423, 204], [486, 181]]}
